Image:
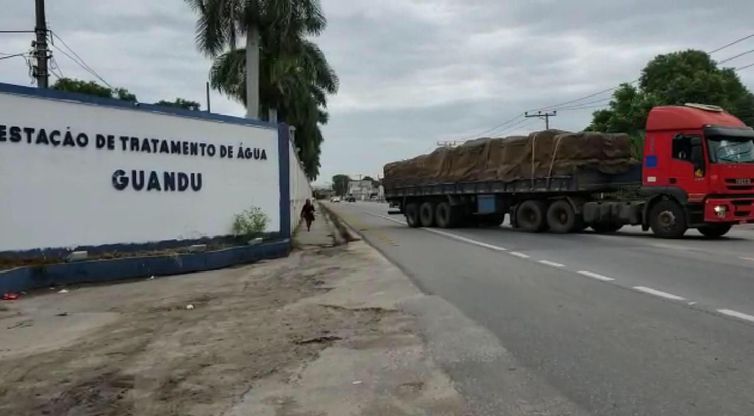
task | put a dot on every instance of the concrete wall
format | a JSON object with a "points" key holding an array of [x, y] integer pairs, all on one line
{"points": [[67, 165], [300, 187]]}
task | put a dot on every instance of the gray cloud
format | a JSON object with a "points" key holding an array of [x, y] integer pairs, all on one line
{"points": [[412, 71]]}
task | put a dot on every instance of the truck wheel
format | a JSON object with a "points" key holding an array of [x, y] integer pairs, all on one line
{"points": [[444, 215], [606, 227], [530, 216], [427, 214], [561, 218], [668, 219], [412, 215], [714, 230]]}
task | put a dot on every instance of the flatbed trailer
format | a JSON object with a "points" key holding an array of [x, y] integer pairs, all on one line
{"points": [[683, 182]]}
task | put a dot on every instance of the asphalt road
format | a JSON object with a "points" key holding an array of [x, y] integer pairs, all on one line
{"points": [[620, 324]]}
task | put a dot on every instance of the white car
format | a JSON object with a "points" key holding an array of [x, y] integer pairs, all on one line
{"points": [[335, 199]]}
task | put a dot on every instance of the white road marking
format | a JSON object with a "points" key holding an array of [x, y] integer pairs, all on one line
{"points": [[384, 217], [517, 254], [449, 235], [466, 240], [747, 258], [735, 314], [596, 276], [551, 263], [659, 293]]}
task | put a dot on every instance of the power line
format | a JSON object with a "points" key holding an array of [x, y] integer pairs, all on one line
{"points": [[80, 61], [520, 123], [571, 107], [12, 56], [728, 45], [744, 67], [503, 124], [736, 56], [56, 67], [576, 103]]}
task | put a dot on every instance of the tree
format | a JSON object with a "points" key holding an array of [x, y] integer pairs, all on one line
{"points": [[92, 88], [266, 23], [292, 72], [180, 103], [82, 87], [340, 184], [375, 182], [675, 79], [95, 89]]}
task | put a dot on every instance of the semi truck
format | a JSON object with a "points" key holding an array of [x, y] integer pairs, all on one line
{"points": [[696, 172]]}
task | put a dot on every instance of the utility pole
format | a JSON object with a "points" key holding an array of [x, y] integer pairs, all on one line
{"points": [[40, 46], [546, 116], [209, 109]]}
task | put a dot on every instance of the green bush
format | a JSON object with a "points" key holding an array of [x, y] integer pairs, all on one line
{"points": [[250, 223]]}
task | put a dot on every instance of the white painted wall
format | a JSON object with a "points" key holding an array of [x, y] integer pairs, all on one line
{"points": [[54, 197], [300, 187]]}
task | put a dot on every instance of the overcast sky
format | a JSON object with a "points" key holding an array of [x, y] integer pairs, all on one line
{"points": [[412, 71]]}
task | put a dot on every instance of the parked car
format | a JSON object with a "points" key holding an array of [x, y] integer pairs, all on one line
{"points": [[335, 199]]}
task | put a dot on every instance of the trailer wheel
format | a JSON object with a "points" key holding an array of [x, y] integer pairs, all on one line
{"points": [[412, 215], [427, 214], [714, 230], [530, 216], [561, 218], [668, 219], [445, 217]]}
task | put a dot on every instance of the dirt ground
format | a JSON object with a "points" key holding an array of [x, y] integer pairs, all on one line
{"points": [[139, 350]]}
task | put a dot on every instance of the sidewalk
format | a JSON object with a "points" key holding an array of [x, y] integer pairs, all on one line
{"points": [[317, 333]]}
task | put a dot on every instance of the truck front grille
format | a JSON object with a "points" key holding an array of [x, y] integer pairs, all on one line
{"points": [[740, 184]]}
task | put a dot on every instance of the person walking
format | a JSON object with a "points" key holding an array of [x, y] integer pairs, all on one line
{"points": [[307, 213]]}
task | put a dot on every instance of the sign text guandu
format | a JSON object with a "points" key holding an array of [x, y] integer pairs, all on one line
{"points": [[135, 179]]}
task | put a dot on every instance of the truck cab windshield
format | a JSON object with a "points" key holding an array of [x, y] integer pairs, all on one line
{"points": [[725, 149]]}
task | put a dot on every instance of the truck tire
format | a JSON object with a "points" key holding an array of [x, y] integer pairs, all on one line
{"points": [[561, 218], [667, 219], [412, 215], [530, 216], [714, 230], [445, 215], [427, 214]]}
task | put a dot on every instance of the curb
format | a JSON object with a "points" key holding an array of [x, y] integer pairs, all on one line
{"points": [[344, 230], [100, 271]]}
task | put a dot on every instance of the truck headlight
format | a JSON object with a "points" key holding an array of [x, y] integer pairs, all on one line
{"points": [[721, 210]]}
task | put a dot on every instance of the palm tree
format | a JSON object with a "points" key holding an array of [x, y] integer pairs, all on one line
{"points": [[294, 78], [274, 24]]}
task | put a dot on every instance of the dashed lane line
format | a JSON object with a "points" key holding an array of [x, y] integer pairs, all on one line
{"points": [[551, 263], [736, 314], [595, 276], [659, 293], [466, 240]]}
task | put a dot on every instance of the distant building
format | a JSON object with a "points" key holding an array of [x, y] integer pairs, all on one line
{"points": [[361, 190]]}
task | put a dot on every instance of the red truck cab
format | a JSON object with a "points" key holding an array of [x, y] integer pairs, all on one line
{"points": [[700, 159]]}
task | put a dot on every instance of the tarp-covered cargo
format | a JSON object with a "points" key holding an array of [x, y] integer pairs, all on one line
{"points": [[541, 154]]}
